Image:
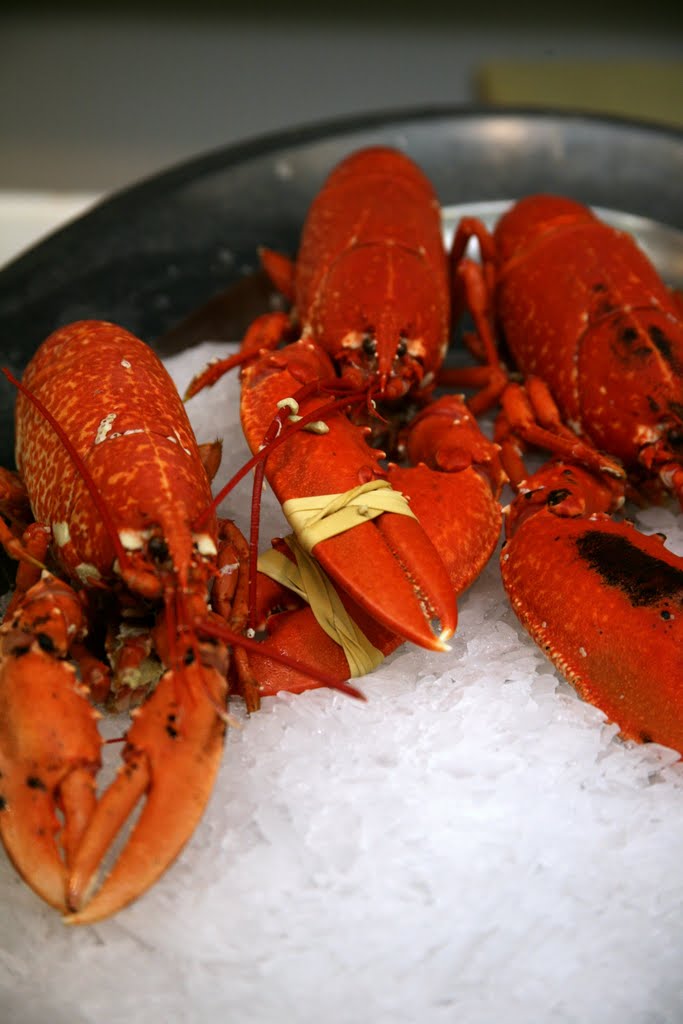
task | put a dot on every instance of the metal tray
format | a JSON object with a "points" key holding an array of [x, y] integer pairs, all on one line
{"points": [[150, 255]]}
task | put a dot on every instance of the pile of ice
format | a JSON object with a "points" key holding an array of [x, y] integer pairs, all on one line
{"points": [[473, 844]]}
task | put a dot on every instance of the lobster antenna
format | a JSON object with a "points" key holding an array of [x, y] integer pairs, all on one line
{"points": [[78, 462], [237, 640]]}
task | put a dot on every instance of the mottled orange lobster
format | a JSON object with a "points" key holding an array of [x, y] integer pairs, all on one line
{"points": [[112, 602], [599, 339]]}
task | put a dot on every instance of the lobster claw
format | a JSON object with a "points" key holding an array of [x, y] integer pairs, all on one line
{"points": [[172, 754], [454, 492], [48, 762], [579, 586], [388, 564]]}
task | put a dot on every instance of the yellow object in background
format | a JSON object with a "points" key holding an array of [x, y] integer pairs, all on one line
{"points": [[646, 90]]}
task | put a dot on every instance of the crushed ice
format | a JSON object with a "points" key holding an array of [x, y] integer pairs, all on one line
{"points": [[474, 843]]}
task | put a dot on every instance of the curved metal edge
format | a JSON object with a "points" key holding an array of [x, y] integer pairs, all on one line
{"points": [[123, 259], [318, 131]]}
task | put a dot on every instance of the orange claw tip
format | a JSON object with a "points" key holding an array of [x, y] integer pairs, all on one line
{"points": [[29, 843], [408, 588], [173, 753]]}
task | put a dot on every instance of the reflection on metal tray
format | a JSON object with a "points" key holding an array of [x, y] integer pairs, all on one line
{"points": [[226, 315], [663, 244]]}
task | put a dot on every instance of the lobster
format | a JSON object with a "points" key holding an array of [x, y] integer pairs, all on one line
{"points": [[101, 517], [356, 362], [598, 338]]}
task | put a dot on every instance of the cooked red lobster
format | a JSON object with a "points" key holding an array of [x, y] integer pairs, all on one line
{"points": [[359, 358], [599, 339], [112, 602]]}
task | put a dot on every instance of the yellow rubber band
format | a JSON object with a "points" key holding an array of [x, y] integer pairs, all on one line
{"points": [[325, 515], [308, 580]]}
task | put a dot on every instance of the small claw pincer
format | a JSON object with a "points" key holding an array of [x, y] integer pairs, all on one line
{"points": [[172, 754]]}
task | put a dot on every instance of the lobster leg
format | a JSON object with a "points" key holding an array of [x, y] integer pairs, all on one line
{"points": [[266, 332], [530, 415], [473, 288]]}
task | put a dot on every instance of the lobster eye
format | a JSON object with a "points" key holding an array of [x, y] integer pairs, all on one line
{"points": [[556, 496], [158, 549], [369, 345], [675, 439], [402, 347]]}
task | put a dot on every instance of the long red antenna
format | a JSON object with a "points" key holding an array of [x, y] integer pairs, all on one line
{"points": [[238, 640], [335, 405]]}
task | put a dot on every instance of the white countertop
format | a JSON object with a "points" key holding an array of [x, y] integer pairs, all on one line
{"points": [[27, 217]]}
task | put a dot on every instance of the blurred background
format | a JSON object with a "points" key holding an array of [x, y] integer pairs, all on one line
{"points": [[95, 96]]}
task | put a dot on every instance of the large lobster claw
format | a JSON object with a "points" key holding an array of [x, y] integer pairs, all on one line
{"points": [[454, 492], [48, 762], [48, 759], [603, 601], [388, 565], [580, 584], [54, 829], [173, 751]]}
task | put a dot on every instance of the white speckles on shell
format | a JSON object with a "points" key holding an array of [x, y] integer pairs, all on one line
{"points": [[60, 532], [647, 434], [105, 426], [125, 364], [87, 573], [352, 339], [205, 544], [175, 438], [228, 570], [133, 540]]}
